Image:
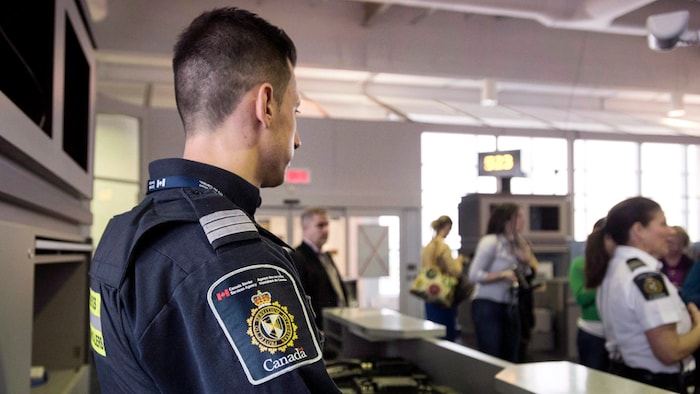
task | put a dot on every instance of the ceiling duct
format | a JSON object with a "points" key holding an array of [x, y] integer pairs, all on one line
{"points": [[489, 94], [590, 15]]}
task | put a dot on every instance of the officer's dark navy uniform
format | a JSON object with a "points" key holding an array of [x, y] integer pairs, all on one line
{"points": [[189, 295], [635, 297]]}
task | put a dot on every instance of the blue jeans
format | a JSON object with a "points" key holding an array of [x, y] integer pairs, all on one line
{"points": [[497, 328], [591, 351], [445, 316]]}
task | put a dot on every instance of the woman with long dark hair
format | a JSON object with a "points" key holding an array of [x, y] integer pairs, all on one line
{"points": [[649, 332], [500, 257]]}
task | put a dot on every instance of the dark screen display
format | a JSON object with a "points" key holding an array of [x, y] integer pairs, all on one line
{"points": [[544, 218]]}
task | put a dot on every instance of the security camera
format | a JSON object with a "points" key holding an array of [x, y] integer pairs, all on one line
{"points": [[670, 30]]}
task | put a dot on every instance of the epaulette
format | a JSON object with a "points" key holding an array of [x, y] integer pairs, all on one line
{"points": [[222, 221], [635, 263]]}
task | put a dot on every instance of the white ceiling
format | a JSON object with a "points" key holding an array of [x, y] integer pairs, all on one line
{"points": [[581, 65]]}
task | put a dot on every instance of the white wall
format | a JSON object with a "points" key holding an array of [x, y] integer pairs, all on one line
{"points": [[356, 164]]}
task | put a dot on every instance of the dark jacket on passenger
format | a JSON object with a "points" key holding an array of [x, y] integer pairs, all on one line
{"points": [[315, 280]]}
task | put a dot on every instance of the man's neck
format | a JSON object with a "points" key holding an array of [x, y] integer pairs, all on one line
{"points": [[312, 245]]}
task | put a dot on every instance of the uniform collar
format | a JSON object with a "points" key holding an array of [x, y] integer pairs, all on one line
{"points": [[624, 253], [235, 188]]}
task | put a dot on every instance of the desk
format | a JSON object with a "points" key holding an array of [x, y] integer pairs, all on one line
{"points": [[363, 332], [566, 378], [360, 333], [383, 324]]}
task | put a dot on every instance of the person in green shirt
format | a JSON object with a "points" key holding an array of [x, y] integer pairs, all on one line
{"points": [[590, 338]]}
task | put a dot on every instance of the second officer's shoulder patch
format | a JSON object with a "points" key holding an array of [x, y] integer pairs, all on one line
{"points": [[652, 285]]}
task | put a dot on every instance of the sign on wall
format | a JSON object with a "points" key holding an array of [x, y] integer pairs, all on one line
{"points": [[373, 251], [298, 176]]}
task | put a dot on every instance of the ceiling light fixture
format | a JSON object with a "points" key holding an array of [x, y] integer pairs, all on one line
{"points": [[489, 95], [676, 109]]}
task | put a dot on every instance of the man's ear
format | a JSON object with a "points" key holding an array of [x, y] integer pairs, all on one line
{"points": [[264, 102]]}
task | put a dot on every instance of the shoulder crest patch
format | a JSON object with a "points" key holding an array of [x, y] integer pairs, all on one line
{"points": [[261, 312], [651, 284]]}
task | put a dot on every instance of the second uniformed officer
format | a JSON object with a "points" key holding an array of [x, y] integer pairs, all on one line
{"points": [[649, 332]]}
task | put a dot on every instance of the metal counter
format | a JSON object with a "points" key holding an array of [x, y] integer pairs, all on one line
{"points": [[369, 332]]}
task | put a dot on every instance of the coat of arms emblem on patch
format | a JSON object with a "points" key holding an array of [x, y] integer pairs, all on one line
{"points": [[270, 325]]}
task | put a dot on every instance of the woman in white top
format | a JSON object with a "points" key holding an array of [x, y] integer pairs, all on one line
{"points": [[649, 332], [500, 254]]}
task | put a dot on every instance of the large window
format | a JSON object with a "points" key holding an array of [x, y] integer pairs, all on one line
{"points": [[693, 188], [604, 173], [117, 164], [544, 163], [663, 179], [450, 171], [607, 172]]}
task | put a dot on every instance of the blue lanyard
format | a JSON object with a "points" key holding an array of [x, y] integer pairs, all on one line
{"points": [[170, 182]]}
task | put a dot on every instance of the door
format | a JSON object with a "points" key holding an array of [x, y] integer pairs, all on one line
{"points": [[286, 224], [366, 247]]}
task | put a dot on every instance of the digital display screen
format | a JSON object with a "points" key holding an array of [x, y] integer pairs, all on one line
{"points": [[500, 163]]}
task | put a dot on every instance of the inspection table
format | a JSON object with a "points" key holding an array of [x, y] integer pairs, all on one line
{"points": [[381, 324], [380, 332], [553, 377]]}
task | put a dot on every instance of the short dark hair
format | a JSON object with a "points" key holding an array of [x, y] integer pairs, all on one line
{"points": [[221, 55]]}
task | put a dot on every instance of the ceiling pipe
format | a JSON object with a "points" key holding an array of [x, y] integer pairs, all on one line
{"points": [[611, 9], [676, 105], [587, 15], [489, 93]]}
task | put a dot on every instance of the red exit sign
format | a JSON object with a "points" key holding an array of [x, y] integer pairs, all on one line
{"points": [[298, 176]]}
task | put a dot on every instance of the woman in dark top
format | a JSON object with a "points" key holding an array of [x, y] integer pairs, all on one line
{"points": [[676, 264]]}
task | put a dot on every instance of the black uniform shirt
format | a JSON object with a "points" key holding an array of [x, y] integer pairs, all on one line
{"points": [[189, 295]]}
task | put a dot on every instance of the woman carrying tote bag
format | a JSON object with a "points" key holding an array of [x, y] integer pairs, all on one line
{"points": [[437, 254]]}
